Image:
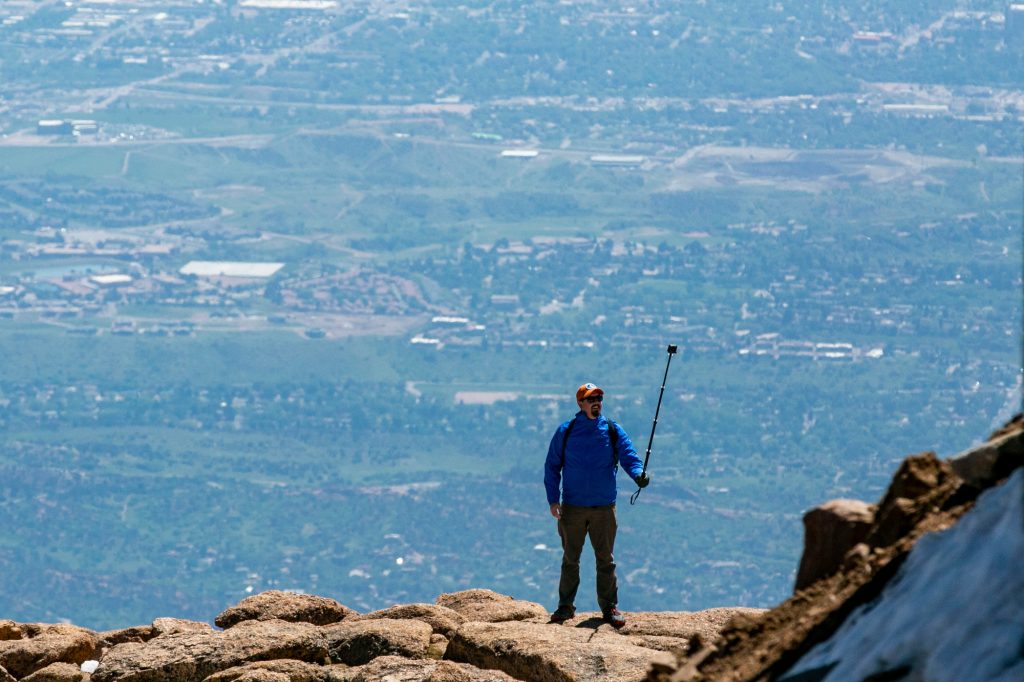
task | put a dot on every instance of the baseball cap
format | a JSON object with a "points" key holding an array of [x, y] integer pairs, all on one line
{"points": [[587, 390]]}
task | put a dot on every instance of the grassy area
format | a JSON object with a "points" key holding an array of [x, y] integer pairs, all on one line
{"points": [[38, 354], [246, 457], [63, 161]]}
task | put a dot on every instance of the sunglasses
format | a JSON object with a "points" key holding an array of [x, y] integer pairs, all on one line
{"points": [[594, 399]]}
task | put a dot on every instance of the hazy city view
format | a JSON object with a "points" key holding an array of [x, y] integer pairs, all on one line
{"points": [[294, 293]]}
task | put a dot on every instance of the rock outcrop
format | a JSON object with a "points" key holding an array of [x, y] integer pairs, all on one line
{"points": [[490, 607], [471, 636], [587, 649], [360, 642], [814, 635], [57, 672], [993, 461], [953, 611], [443, 620], [277, 605], [830, 531], [544, 653], [29, 647], [141, 633], [169, 626], [197, 654]]}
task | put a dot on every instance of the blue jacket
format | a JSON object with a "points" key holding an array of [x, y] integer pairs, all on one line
{"points": [[587, 476]]}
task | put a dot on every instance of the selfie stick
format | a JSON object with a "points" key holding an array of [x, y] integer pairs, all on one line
{"points": [[671, 351]]}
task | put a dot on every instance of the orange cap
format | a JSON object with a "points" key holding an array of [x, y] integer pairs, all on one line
{"points": [[587, 390]]}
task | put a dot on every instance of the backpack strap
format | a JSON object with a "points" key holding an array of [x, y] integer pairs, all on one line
{"points": [[565, 438], [613, 438]]}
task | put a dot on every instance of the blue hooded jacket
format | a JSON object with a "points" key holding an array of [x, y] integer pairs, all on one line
{"points": [[587, 476]]}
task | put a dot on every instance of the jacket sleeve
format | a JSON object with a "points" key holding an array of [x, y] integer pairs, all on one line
{"points": [[628, 458], [553, 466]]}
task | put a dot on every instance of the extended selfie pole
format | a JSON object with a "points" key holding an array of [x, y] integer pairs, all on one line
{"points": [[671, 351]]}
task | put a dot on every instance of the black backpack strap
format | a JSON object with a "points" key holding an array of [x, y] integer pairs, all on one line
{"points": [[565, 438], [613, 438]]}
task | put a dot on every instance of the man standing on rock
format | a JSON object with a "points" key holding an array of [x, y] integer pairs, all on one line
{"points": [[583, 459]]}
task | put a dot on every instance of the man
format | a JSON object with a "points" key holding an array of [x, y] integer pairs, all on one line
{"points": [[583, 458]]}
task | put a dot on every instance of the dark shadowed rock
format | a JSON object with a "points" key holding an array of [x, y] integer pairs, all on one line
{"points": [[296, 608], [58, 672], [830, 531], [139, 633], [490, 607], [917, 475], [358, 642], [551, 653], [6, 676], [441, 619], [288, 670], [397, 669], [920, 482], [41, 645], [194, 655]]}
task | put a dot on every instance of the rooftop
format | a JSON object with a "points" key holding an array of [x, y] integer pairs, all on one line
{"points": [[211, 268]]}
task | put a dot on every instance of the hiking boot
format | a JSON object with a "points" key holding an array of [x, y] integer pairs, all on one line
{"points": [[563, 613], [614, 618]]}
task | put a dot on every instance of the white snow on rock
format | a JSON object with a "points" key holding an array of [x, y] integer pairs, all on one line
{"points": [[90, 666], [953, 612]]}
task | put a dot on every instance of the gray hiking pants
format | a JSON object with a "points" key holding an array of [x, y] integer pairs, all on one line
{"points": [[574, 527]]}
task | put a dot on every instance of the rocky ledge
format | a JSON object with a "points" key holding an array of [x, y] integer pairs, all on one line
{"points": [[924, 585], [469, 636]]}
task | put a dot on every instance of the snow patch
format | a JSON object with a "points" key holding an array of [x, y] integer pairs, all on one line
{"points": [[953, 612]]}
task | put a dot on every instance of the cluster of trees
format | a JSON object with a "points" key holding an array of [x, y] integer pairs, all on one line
{"points": [[60, 202]]}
